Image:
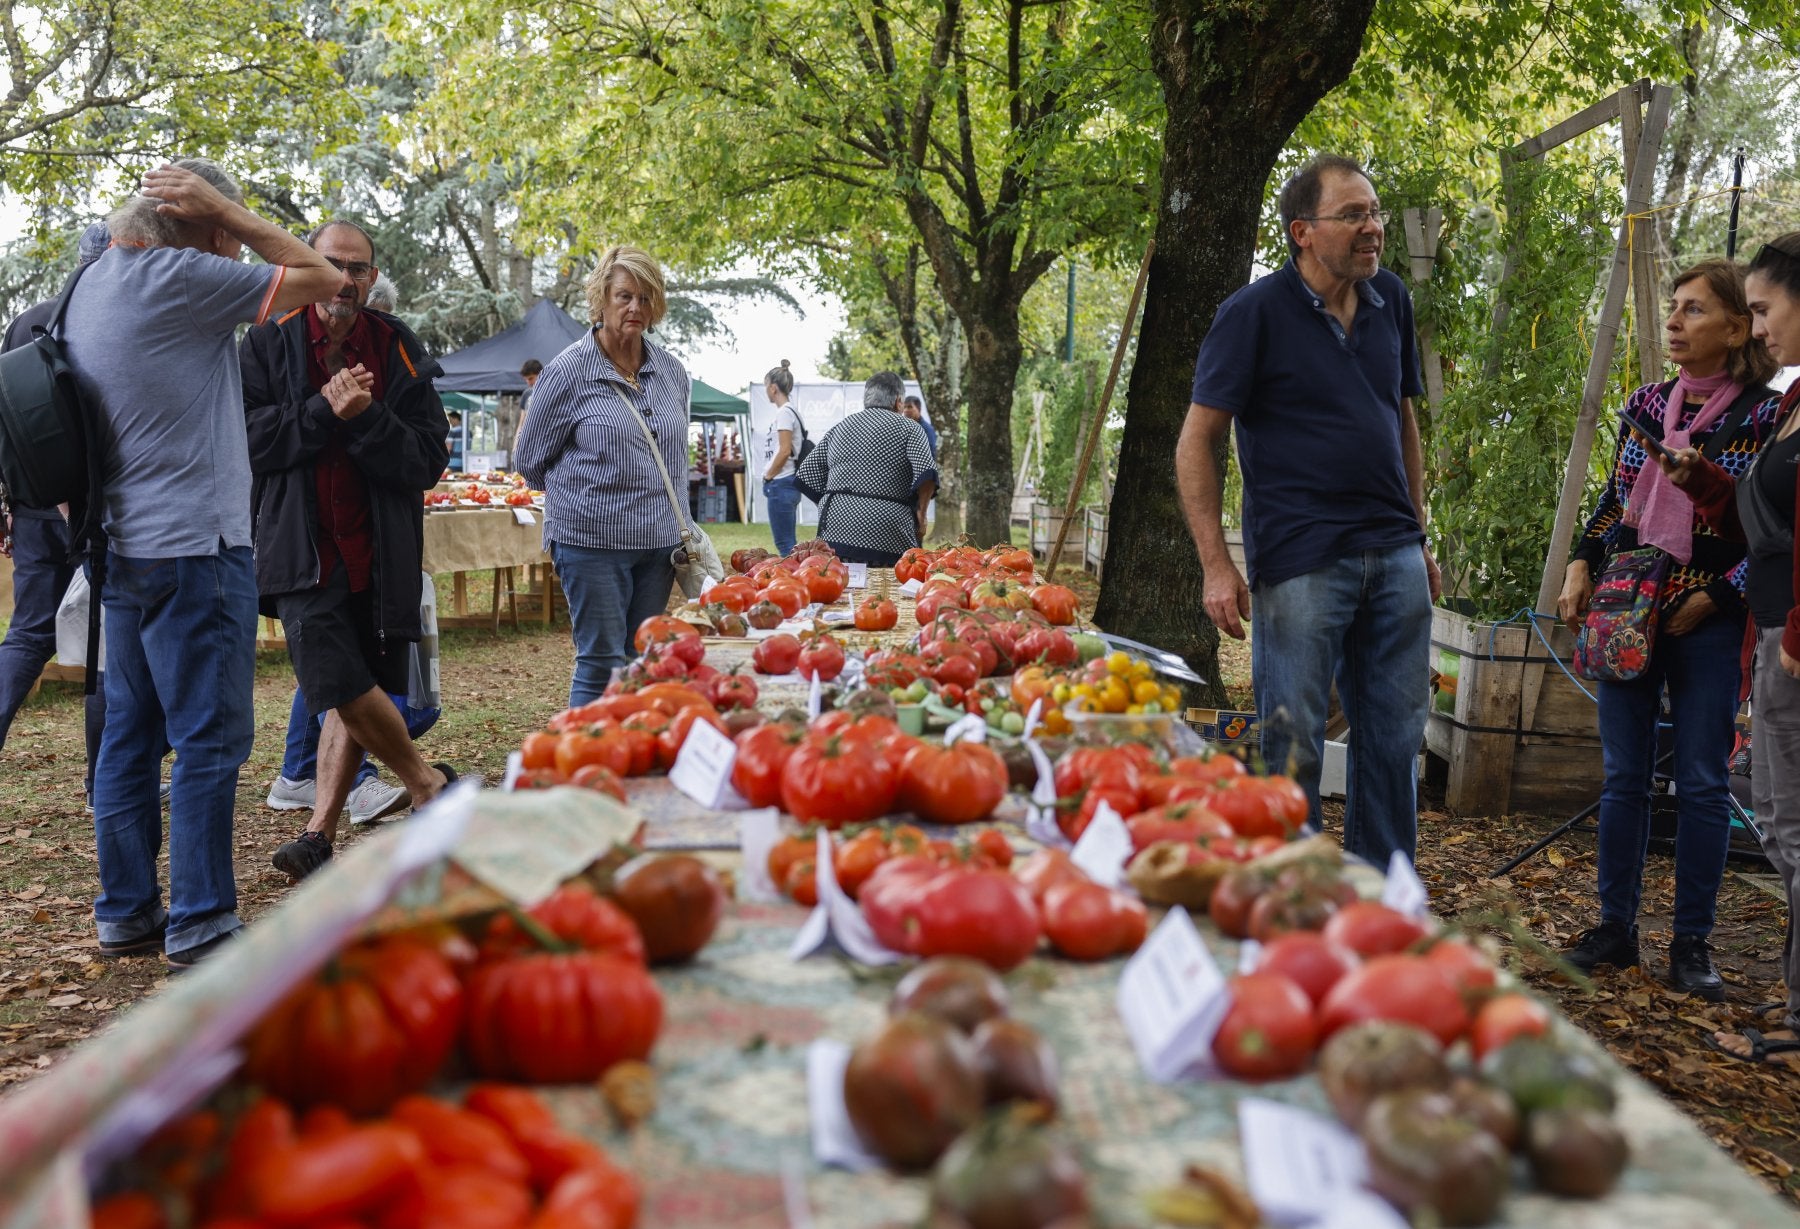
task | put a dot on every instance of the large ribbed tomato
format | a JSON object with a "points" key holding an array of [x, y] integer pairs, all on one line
{"points": [[837, 782], [560, 1018], [374, 1025], [952, 785], [576, 914]]}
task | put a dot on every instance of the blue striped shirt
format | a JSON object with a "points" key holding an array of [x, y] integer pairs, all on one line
{"points": [[581, 446]]}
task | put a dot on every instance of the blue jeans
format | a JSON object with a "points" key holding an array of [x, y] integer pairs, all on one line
{"points": [[1365, 620], [41, 575], [300, 762], [180, 665], [1701, 672], [783, 496], [610, 592]]}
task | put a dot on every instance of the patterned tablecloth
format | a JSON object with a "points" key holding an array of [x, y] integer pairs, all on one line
{"points": [[732, 1099]]}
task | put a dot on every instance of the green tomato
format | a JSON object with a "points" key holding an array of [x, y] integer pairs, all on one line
{"points": [[1013, 723]]}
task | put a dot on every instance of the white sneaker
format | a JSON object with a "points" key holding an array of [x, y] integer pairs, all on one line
{"points": [[286, 795], [373, 799]]}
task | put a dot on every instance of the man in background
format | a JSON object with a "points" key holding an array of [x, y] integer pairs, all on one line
{"points": [[914, 409]]}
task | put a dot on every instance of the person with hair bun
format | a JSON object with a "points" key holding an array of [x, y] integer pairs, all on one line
{"points": [[781, 453], [1760, 508], [1719, 403], [609, 526]]}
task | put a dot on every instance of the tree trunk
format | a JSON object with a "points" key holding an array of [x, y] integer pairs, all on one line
{"points": [[943, 394], [994, 356], [1236, 80]]}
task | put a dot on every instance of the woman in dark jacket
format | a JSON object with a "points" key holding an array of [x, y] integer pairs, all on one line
{"points": [[1720, 405], [873, 477]]}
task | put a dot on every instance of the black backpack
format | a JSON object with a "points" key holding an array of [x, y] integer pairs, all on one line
{"points": [[51, 448], [806, 444]]}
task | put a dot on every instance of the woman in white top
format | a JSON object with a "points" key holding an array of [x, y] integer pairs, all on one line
{"points": [[781, 452]]}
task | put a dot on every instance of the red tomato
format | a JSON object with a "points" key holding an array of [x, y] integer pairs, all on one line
{"points": [[1268, 1033], [955, 669], [915, 564], [1046, 868], [931, 603], [992, 844], [339, 1176], [1246, 803], [1370, 928], [786, 598], [665, 628], [1310, 961], [1505, 1018], [761, 755], [454, 1136], [1181, 821], [1085, 921], [1232, 899], [1055, 602], [668, 743], [576, 914], [1210, 768], [1121, 799], [539, 750], [593, 744], [802, 882], [787, 851], [598, 778], [856, 859], [837, 783], [821, 655], [985, 915], [952, 785], [560, 1019], [1410, 989], [734, 690], [376, 1024], [676, 901], [876, 614], [888, 894], [778, 654], [1474, 972]]}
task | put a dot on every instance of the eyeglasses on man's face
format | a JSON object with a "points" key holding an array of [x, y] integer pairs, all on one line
{"points": [[1353, 217], [359, 270]]}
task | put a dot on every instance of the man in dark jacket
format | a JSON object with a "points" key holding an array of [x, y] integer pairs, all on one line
{"points": [[346, 433]]}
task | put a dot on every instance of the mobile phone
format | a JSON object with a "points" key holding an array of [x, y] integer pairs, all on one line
{"points": [[1646, 436]]}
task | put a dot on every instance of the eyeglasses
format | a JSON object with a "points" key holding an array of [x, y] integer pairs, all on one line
{"points": [[1356, 217], [359, 270], [1780, 248]]}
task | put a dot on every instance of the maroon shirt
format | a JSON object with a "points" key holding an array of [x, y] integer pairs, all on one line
{"points": [[343, 498]]}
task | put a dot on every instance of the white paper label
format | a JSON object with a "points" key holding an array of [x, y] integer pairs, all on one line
{"points": [[1033, 717], [1104, 847], [971, 727], [836, 921], [815, 698], [834, 1139], [759, 831], [838, 617], [702, 768], [1298, 1164], [515, 768], [1249, 956], [706, 586], [523, 516], [859, 576], [1172, 998], [912, 587], [1360, 1210], [1040, 810], [1404, 892]]}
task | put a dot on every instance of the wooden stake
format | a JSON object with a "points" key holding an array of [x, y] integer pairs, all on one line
{"points": [[1094, 427]]}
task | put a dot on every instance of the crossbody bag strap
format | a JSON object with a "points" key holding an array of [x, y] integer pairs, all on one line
{"points": [[656, 455]]}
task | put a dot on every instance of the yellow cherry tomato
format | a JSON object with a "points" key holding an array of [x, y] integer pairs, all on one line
{"points": [[1118, 663], [1144, 691], [1140, 669]]}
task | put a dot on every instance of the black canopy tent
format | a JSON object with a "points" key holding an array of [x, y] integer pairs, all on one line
{"points": [[492, 366]]}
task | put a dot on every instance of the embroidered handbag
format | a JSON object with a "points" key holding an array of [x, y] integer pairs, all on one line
{"points": [[1620, 631]]}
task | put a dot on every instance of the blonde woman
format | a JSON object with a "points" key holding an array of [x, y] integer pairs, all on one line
{"points": [[608, 524]]}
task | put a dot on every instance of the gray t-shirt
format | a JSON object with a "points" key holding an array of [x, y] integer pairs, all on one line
{"points": [[150, 334]]}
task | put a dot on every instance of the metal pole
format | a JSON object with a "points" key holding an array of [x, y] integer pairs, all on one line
{"points": [[1069, 319], [1737, 194]]}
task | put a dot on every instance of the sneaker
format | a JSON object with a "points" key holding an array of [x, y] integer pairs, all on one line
{"points": [[143, 945], [286, 795], [303, 855], [374, 798], [1691, 968], [188, 957], [1608, 943]]}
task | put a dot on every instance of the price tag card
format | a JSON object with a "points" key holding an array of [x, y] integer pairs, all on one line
{"points": [[835, 617], [1249, 956], [1104, 847], [912, 587], [1404, 892], [815, 698], [836, 923], [1172, 998], [1298, 1165], [1034, 717], [971, 728], [834, 1139], [515, 768], [706, 586], [759, 831], [523, 516], [1361, 1210], [702, 768], [1040, 810], [859, 576]]}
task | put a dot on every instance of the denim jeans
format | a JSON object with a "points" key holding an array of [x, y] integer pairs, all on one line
{"points": [[783, 496], [41, 574], [180, 665], [1701, 673], [300, 761], [610, 592], [1365, 620]]}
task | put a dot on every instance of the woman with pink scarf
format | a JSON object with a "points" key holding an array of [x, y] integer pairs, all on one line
{"points": [[1720, 405]]}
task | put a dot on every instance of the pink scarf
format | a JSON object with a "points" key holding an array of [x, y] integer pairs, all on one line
{"points": [[1661, 513]]}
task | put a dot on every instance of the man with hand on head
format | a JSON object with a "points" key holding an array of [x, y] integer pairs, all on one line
{"points": [[150, 332], [346, 433]]}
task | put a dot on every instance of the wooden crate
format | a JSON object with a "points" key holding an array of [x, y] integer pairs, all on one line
{"points": [[1516, 732], [1045, 522], [1093, 549]]}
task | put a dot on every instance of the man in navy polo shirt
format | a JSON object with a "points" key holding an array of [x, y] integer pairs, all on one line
{"points": [[1316, 366]]}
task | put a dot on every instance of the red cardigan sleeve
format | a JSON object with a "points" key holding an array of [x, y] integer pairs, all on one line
{"points": [[1714, 493]]}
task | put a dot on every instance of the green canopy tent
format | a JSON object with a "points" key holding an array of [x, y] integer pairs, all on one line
{"points": [[710, 410]]}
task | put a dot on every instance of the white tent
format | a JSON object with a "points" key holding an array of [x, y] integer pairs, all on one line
{"points": [[820, 405]]}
